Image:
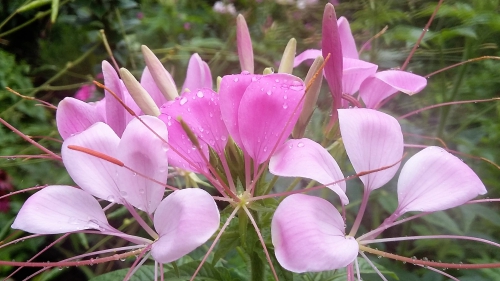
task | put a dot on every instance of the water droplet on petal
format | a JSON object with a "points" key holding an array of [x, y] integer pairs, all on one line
{"points": [[300, 144], [285, 97], [141, 191], [285, 106], [269, 93], [244, 72], [110, 198], [223, 138], [235, 79], [199, 94], [123, 193], [183, 100], [277, 80]]}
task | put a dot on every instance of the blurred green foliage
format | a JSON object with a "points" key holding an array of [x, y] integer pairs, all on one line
{"points": [[52, 60]]}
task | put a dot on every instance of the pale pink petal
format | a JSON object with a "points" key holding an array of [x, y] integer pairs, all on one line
{"points": [[115, 112], [385, 83], [232, 88], [93, 174], [60, 209], [372, 140], [349, 49], [183, 154], [331, 45], [244, 43], [355, 72], [434, 180], [74, 116], [308, 235], [130, 103], [306, 158], [267, 113], [185, 220], [306, 55], [200, 109], [197, 75], [144, 152], [149, 84]]}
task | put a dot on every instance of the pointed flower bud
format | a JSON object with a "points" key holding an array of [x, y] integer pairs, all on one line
{"points": [[286, 65], [160, 75], [139, 94], [244, 42], [311, 98]]}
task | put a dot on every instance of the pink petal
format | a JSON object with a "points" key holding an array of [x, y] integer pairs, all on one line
{"points": [[60, 209], [308, 234], [385, 83], [354, 73], [149, 84], [349, 49], [197, 75], [92, 174], [244, 43], [143, 151], [232, 88], [372, 140], [331, 45], [434, 180], [306, 158], [74, 116], [115, 113], [306, 55], [267, 113], [201, 111], [85, 92], [185, 220], [183, 153]]}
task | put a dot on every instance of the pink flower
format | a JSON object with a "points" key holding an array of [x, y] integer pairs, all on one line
{"points": [[184, 220]]}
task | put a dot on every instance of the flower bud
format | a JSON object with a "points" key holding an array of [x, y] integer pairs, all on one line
{"points": [[139, 94], [286, 65], [161, 76]]}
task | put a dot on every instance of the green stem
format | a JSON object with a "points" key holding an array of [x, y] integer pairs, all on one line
{"points": [[257, 267], [445, 111]]}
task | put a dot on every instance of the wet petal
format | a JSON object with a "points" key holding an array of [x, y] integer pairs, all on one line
{"points": [[349, 49], [267, 113], [116, 115], [232, 88], [434, 180], [308, 234], [198, 74], [74, 116], [385, 83], [60, 209], [183, 153], [185, 220], [93, 174], [372, 140], [306, 158], [141, 150], [200, 109]]}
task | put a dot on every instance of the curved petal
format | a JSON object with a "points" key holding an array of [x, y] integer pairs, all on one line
{"points": [[330, 44], [434, 180], [144, 152], [308, 234], [197, 75], [93, 174], [354, 73], [306, 55], [372, 140], [306, 158], [232, 88], [267, 113], [201, 111], [385, 83], [60, 209], [74, 116], [349, 49], [149, 84], [185, 220], [116, 115], [183, 153]]}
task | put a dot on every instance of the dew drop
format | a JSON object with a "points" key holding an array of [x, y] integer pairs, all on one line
{"points": [[183, 101], [123, 193], [73, 220], [141, 191], [223, 138], [285, 97], [254, 79], [111, 198], [300, 144], [269, 93], [290, 145], [235, 79], [244, 72], [277, 80], [285, 106], [199, 94], [265, 148]]}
